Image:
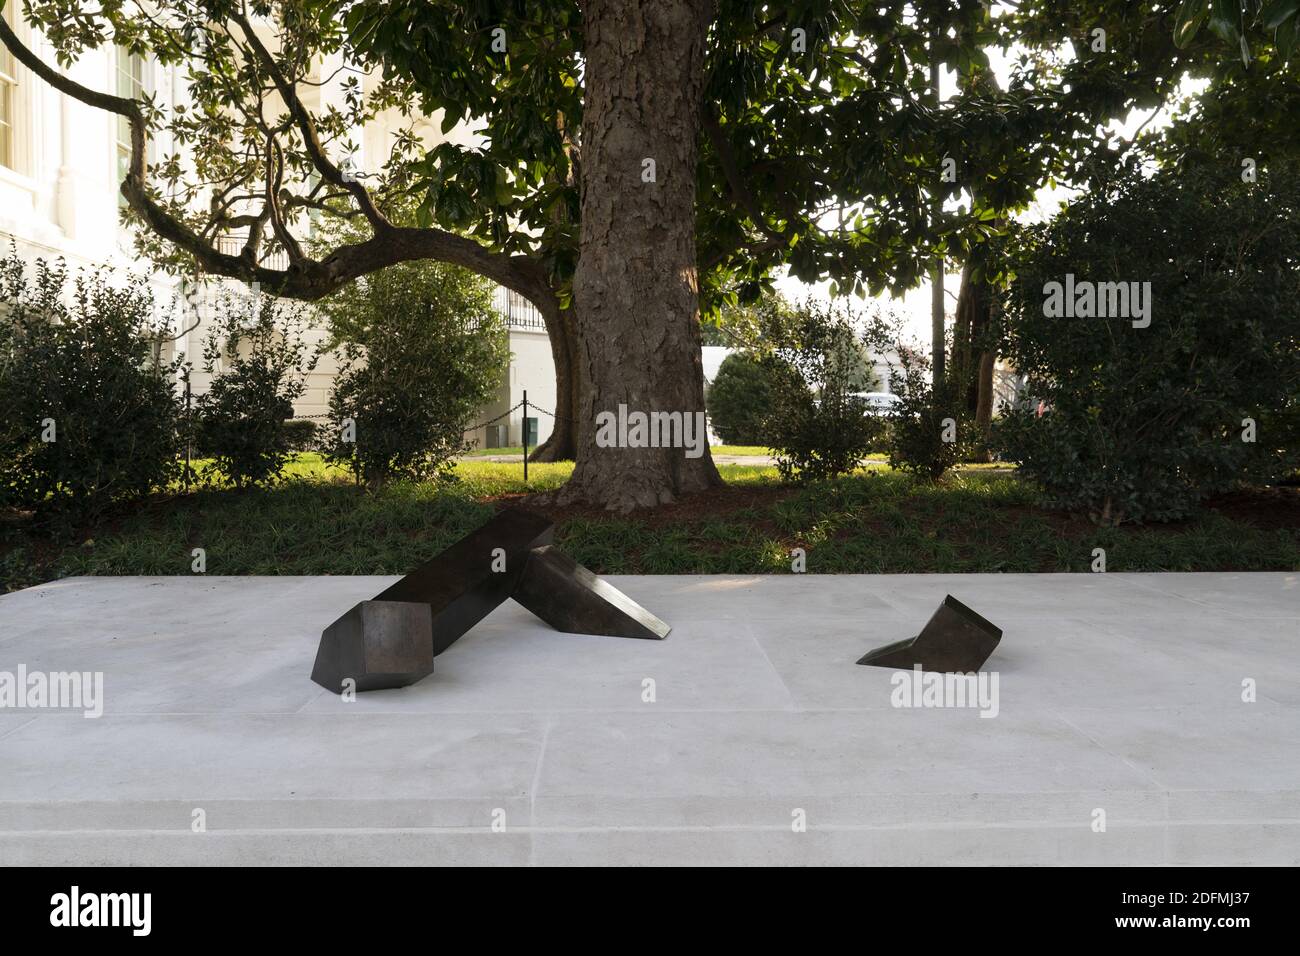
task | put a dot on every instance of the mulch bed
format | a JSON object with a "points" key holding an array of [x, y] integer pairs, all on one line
{"points": [[1276, 507], [702, 506]]}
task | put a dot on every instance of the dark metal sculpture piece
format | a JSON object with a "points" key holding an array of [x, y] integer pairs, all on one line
{"points": [[377, 644], [570, 598], [464, 583], [391, 641], [956, 640]]}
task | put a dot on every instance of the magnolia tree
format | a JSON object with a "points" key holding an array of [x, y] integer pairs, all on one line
{"points": [[632, 165], [1273, 25]]}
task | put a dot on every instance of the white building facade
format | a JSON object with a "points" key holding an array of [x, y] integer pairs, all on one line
{"points": [[61, 165], [60, 160]]}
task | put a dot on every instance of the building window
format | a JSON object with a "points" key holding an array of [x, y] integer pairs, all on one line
{"points": [[130, 84], [8, 98]]}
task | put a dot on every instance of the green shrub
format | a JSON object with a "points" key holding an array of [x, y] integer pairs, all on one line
{"points": [[739, 400], [88, 416], [300, 434], [924, 435], [1279, 430], [261, 362], [817, 424], [423, 351], [1142, 423], [768, 319]]}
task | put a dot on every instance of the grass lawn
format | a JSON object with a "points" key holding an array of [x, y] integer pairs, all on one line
{"points": [[871, 521], [740, 450], [715, 449]]}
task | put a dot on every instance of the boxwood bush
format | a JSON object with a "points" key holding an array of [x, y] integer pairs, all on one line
{"points": [[739, 400]]}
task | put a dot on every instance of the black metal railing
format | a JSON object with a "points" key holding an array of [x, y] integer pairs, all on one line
{"points": [[233, 245]]}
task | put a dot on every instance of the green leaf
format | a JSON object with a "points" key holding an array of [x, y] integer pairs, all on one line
{"points": [[1287, 35], [1278, 11], [503, 189], [1191, 15], [1225, 18]]}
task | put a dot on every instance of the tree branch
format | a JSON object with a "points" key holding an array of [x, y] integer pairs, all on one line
{"points": [[307, 280], [740, 191], [307, 129], [274, 180]]}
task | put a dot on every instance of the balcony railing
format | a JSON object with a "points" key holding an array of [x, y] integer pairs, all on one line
{"points": [[234, 245]]}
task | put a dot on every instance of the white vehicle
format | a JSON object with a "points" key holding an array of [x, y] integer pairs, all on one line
{"points": [[878, 403]]}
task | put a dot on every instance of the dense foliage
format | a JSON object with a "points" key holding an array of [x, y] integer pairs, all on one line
{"points": [[928, 430], [1272, 24], [1145, 420], [423, 351], [739, 399], [256, 351], [818, 424], [88, 416]]}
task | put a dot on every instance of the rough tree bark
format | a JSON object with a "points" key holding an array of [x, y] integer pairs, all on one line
{"points": [[636, 289], [963, 320], [561, 330], [972, 361], [937, 336]]}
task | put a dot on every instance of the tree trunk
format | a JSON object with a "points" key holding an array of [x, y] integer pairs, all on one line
{"points": [[561, 444], [937, 332], [561, 329], [988, 362], [973, 359], [636, 288], [984, 398], [963, 323], [982, 347], [975, 305], [936, 267]]}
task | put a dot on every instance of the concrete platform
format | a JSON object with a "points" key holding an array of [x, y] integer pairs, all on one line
{"points": [[1117, 692]]}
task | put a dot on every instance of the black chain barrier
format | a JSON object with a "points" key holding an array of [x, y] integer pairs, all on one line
{"points": [[306, 418]]}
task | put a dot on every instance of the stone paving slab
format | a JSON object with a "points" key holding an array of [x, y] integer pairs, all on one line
{"points": [[1116, 692]]}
